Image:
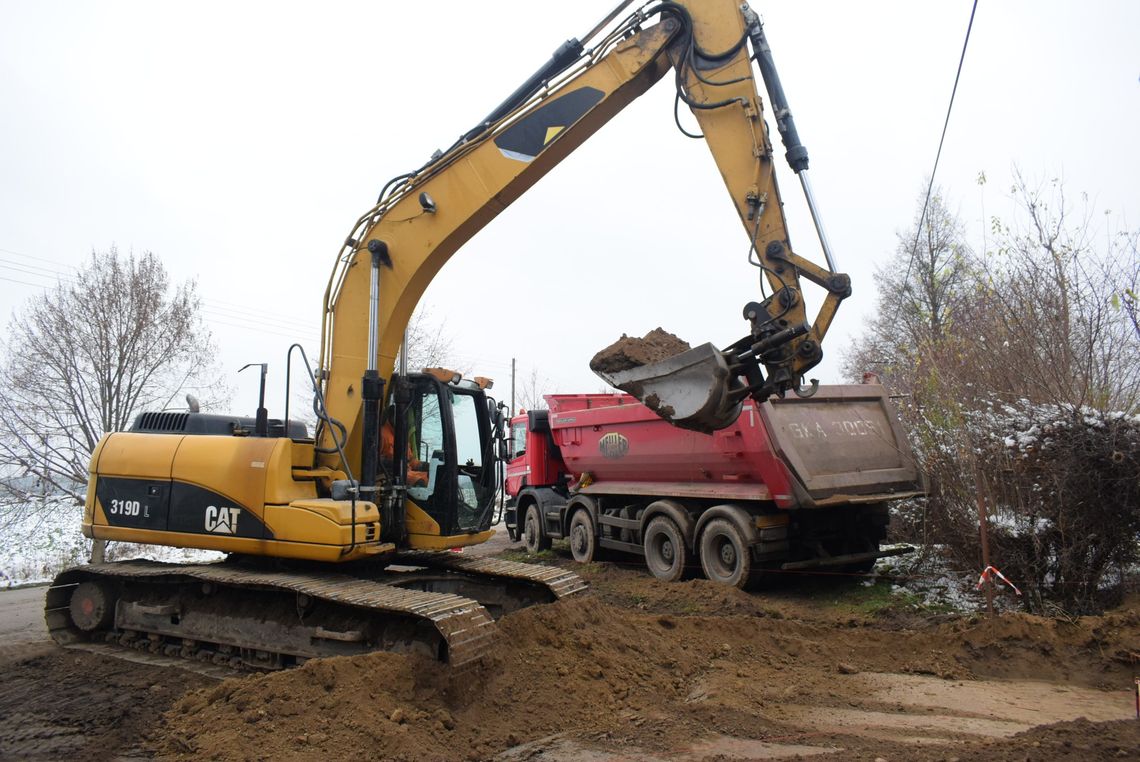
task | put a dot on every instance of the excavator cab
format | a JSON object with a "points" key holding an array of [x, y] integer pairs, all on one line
{"points": [[445, 439]]}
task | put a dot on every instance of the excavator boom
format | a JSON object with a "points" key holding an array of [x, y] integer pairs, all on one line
{"points": [[423, 217]]}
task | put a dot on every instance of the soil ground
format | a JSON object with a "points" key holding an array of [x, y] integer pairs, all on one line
{"points": [[632, 669]]}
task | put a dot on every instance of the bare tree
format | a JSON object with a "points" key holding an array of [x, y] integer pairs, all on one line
{"points": [[1025, 390], [530, 390], [1047, 327], [921, 291], [84, 358], [430, 344]]}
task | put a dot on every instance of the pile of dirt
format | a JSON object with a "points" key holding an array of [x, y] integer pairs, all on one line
{"points": [[631, 352], [1086, 651], [1074, 741], [634, 665], [579, 666]]}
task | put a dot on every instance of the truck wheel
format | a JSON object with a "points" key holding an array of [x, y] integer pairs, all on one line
{"points": [[724, 556], [664, 549], [583, 543], [536, 540]]}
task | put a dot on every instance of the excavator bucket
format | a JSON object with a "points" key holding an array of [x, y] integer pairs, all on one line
{"points": [[690, 390]]}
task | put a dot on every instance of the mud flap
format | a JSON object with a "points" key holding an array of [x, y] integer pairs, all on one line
{"points": [[691, 390]]}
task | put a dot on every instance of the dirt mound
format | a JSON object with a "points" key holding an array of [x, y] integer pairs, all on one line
{"points": [[1086, 651], [328, 707], [623, 589], [634, 665], [1081, 739], [578, 665], [1074, 741], [631, 352]]}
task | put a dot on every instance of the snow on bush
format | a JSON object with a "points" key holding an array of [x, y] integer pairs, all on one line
{"points": [[1062, 488]]}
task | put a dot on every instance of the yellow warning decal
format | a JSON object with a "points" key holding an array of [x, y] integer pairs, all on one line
{"points": [[551, 133]]}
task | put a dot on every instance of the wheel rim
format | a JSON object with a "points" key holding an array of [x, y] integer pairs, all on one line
{"points": [[531, 534], [728, 555], [662, 554], [725, 560], [578, 540]]}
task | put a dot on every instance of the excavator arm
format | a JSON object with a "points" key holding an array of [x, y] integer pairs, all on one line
{"points": [[422, 218]]}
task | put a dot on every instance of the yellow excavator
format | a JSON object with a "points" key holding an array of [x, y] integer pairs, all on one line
{"points": [[338, 542]]}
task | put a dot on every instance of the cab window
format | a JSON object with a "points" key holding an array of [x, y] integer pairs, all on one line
{"points": [[518, 439]]}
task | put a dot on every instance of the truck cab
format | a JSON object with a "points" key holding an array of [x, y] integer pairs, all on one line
{"points": [[535, 466]]}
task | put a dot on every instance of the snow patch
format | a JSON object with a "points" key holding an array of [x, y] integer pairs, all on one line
{"points": [[41, 542]]}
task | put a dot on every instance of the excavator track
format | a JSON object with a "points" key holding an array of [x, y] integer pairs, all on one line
{"points": [[227, 615], [559, 582]]}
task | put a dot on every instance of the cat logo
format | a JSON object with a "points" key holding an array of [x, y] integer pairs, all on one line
{"points": [[222, 520], [613, 445]]}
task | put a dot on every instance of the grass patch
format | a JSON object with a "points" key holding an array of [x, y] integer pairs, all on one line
{"points": [[883, 598], [521, 556]]}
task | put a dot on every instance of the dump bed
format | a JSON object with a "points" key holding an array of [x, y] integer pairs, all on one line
{"points": [[842, 445]]}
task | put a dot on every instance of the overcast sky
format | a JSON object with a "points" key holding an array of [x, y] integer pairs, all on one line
{"points": [[239, 142]]}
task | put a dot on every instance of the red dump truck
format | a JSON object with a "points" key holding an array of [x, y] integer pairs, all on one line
{"points": [[793, 484]]}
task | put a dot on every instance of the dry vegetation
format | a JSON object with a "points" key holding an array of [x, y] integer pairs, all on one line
{"points": [[1019, 370]]}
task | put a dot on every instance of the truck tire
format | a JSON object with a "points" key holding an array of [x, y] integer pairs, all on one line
{"points": [[533, 535], [725, 558], [664, 549], [583, 541]]}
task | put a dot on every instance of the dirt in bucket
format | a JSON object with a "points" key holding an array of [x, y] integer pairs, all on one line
{"points": [[632, 352]]}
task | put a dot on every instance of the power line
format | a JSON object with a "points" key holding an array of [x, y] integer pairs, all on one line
{"points": [[217, 311], [262, 318], [938, 155], [29, 256], [256, 315], [249, 322], [240, 313], [23, 282], [40, 272], [311, 339]]}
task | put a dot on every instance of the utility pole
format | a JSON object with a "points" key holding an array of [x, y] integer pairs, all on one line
{"points": [[513, 410]]}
